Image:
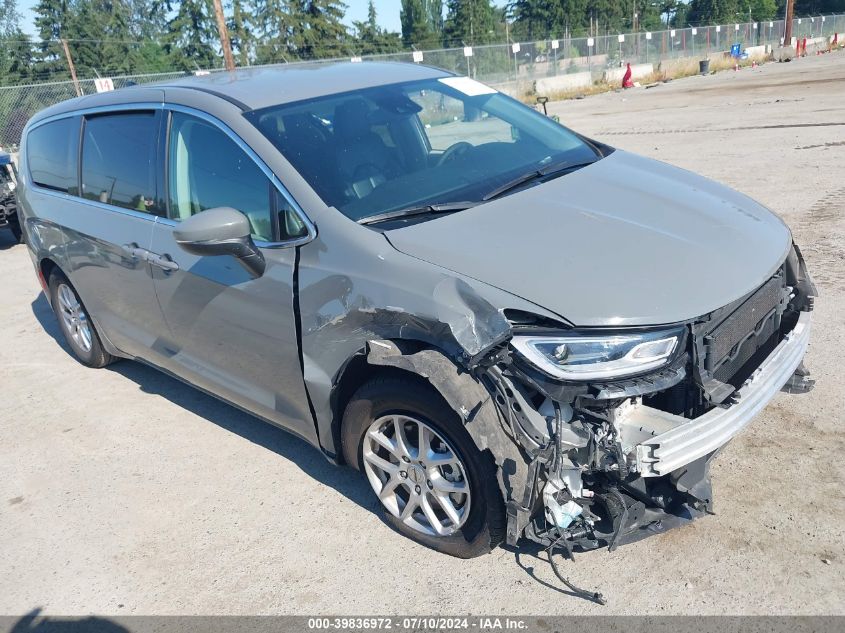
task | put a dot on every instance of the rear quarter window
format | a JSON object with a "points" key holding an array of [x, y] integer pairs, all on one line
{"points": [[53, 155]]}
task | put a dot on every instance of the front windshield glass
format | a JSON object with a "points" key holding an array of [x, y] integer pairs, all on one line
{"points": [[401, 146]]}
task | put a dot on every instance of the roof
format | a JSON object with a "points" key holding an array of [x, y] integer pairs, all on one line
{"points": [[262, 86]]}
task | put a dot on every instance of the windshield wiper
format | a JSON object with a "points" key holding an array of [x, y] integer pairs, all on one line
{"points": [[425, 209], [555, 169]]}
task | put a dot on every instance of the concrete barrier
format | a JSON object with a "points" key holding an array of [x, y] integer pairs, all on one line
{"points": [[638, 71], [550, 85], [756, 51]]}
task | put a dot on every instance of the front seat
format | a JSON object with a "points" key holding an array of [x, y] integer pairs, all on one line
{"points": [[363, 160]]}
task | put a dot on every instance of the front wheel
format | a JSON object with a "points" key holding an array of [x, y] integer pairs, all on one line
{"points": [[433, 483]]}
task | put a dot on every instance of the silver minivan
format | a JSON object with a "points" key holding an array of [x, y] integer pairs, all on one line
{"points": [[513, 331]]}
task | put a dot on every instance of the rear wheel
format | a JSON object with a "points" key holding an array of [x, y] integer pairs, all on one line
{"points": [[76, 324], [433, 483]]}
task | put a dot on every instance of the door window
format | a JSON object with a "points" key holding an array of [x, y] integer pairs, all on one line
{"points": [[119, 160], [207, 169], [52, 150]]}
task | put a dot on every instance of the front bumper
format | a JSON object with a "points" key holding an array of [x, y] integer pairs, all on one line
{"points": [[676, 441]]}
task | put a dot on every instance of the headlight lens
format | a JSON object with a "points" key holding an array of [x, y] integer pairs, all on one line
{"points": [[590, 356]]}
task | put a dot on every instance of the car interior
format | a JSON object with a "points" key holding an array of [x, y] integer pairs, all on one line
{"points": [[370, 152]]}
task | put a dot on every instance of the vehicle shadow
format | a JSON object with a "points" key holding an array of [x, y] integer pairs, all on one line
{"points": [[343, 479], [33, 623]]}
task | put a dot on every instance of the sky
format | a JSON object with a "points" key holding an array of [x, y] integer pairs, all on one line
{"points": [[387, 10]]}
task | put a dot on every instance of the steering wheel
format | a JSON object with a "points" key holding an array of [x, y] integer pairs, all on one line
{"points": [[453, 151]]}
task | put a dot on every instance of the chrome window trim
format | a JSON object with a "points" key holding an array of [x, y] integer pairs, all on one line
{"points": [[173, 107], [96, 203]]}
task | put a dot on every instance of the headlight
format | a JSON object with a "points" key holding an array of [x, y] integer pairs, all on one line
{"points": [[594, 356]]}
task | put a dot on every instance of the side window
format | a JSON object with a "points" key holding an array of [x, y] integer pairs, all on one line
{"points": [[119, 160], [207, 169], [448, 120], [52, 154]]}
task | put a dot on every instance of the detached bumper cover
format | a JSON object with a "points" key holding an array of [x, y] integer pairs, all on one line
{"points": [[693, 439]]}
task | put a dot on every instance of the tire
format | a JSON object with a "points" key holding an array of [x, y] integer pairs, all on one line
{"points": [[382, 404], [15, 228], [75, 323]]}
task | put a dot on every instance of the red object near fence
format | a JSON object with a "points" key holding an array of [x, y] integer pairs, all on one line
{"points": [[804, 46], [626, 80]]}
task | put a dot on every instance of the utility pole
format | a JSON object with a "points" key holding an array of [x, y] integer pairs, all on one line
{"points": [[225, 44], [72, 68], [787, 23]]}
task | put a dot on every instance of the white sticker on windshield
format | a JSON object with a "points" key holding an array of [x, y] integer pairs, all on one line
{"points": [[470, 87]]}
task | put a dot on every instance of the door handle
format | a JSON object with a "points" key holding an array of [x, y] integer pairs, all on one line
{"points": [[133, 251], [165, 262]]}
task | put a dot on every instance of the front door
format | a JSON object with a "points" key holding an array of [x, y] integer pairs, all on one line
{"points": [[230, 333]]}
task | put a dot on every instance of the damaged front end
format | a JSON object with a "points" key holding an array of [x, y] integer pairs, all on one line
{"points": [[612, 460]]}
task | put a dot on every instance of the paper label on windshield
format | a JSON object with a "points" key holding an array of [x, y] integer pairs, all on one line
{"points": [[470, 87]]}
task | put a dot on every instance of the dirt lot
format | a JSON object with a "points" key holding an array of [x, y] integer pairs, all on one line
{"points": [[123, 491]]}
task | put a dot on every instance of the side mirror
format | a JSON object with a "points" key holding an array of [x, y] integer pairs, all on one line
{"points": [[221, 231]]}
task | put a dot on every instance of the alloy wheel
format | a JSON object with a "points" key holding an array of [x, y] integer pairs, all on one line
{"points": [[74, 318], [416, 475]]}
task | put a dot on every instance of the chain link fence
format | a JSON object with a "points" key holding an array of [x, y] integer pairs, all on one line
{"points": [[512, 68]]}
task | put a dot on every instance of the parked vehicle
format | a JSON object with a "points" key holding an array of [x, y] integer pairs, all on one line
{"points": [[513, 331], [8, 200]]}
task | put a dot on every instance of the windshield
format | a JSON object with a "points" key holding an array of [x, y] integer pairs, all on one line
{"points": [[403, 146]]}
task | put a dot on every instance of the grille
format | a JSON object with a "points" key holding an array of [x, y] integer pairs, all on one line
{"points": [[734, 341]]}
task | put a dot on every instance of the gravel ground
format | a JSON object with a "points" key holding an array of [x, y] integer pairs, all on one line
{"points": [[123, 491]]}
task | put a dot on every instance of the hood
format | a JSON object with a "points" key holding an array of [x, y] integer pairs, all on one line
{"points": [[625, 241]]}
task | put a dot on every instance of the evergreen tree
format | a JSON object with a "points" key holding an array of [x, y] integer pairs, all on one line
{"points": [[422, 23], [51, 17], [712, 11], [100, 39], [192, 40], [433, 10], [318, 29], [762, 9], [15, 47], [147, 18], [272, 27], [10, 19], [240, 34], [469, 22], [370, 38]]}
